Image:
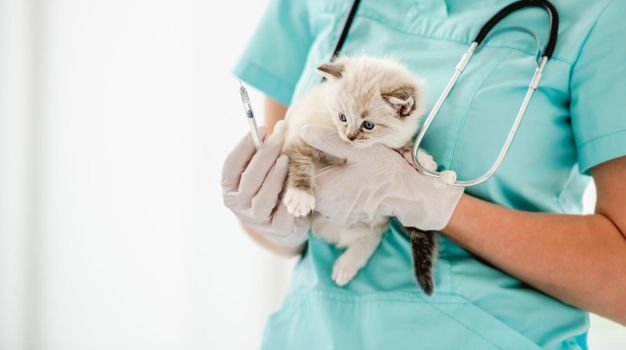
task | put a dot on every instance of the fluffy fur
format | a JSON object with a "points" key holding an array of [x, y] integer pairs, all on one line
{"points": [[359, 93]]}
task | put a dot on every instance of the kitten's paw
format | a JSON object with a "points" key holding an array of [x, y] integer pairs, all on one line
{"points": [[344, 270], [298, 202], [426, 160], [446, 178]]}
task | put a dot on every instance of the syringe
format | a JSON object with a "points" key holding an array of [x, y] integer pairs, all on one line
{"points": [[254, 131]]}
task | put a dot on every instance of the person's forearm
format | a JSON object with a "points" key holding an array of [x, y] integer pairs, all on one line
{"points": [[274, 111], [580, 260], [272, 246]]}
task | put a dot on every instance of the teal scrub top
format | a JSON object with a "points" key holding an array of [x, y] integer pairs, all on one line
{"points": [[576, 120]]}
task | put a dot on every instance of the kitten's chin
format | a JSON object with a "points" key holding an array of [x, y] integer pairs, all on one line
{"points": [[395, 145], [356, 144], [392, 143]]}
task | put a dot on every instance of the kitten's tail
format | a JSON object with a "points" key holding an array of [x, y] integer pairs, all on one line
{"points": [[424, 250]]}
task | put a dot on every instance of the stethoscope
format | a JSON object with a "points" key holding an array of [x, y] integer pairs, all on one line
{"points": [[482, 34]]}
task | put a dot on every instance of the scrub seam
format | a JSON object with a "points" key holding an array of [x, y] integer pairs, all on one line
{"points": [[466, 327], [373, 16], [410, 297], [267, 72], [467, 109], [398, 298], [503, 323], [584, 43], [584, 161], [600, 137], [464, 301], [377, 296], [245, 74]]}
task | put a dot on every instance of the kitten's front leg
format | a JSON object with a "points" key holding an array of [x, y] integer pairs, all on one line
{"points": [[426, 160], [352, 260], [299, 197], [447, 177], [357, 254]]}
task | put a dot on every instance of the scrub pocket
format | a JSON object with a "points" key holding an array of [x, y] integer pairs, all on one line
{"points": [[382, 308], [327, 319]]}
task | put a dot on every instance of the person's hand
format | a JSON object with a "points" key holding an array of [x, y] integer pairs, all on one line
{"points": [[377, 180], [252, 182]]}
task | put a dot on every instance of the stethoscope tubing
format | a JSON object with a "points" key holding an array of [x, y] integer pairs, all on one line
{"points": [[460, 67]]}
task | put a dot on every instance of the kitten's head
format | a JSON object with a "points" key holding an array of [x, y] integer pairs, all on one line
{"points": [[372, 100]]}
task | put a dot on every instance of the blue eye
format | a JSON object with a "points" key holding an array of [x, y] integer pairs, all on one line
{"points": [[367, 125], [342, 117]]}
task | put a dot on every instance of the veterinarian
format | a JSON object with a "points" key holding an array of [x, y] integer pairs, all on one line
{"points": [[518, 264]]}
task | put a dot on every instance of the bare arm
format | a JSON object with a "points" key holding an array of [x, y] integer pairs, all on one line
{"points": [[274, 111], [580, 260]]}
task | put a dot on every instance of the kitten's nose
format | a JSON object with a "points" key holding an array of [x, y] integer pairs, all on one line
{"points": [[351, 137]]}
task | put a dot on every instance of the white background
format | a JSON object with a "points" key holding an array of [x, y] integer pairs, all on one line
{"points": [[115, 117]]}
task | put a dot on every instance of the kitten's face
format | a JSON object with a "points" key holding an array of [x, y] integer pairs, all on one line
{"points": [[372, 101]]}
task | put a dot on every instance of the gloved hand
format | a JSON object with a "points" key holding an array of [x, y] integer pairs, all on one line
{"points": [[377, 180], [251, 184]]}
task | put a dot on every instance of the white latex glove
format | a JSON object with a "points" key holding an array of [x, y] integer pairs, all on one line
{"points": [[377, 180], [252, 182]]}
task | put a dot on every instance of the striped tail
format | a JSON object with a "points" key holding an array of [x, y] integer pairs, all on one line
{"points": [[424, 250]]}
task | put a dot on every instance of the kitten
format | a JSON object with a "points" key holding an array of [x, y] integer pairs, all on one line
{"points": [[367, 100]]}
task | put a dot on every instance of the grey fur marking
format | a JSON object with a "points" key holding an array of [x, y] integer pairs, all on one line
{"points": [[333, 69], [303, 161], [424, 251]]}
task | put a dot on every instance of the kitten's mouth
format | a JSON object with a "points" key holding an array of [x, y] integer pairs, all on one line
{"points": [[359, 144], [356, 143]]}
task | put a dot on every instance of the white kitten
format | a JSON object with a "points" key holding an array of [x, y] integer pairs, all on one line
{"points": [[367, 100]]}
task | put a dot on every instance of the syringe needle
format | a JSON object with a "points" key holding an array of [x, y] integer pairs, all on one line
{"points": [[247, 107]]}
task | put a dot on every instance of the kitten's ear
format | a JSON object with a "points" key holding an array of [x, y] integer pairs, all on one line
{"points": [[331, 70], [403, 100]]}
